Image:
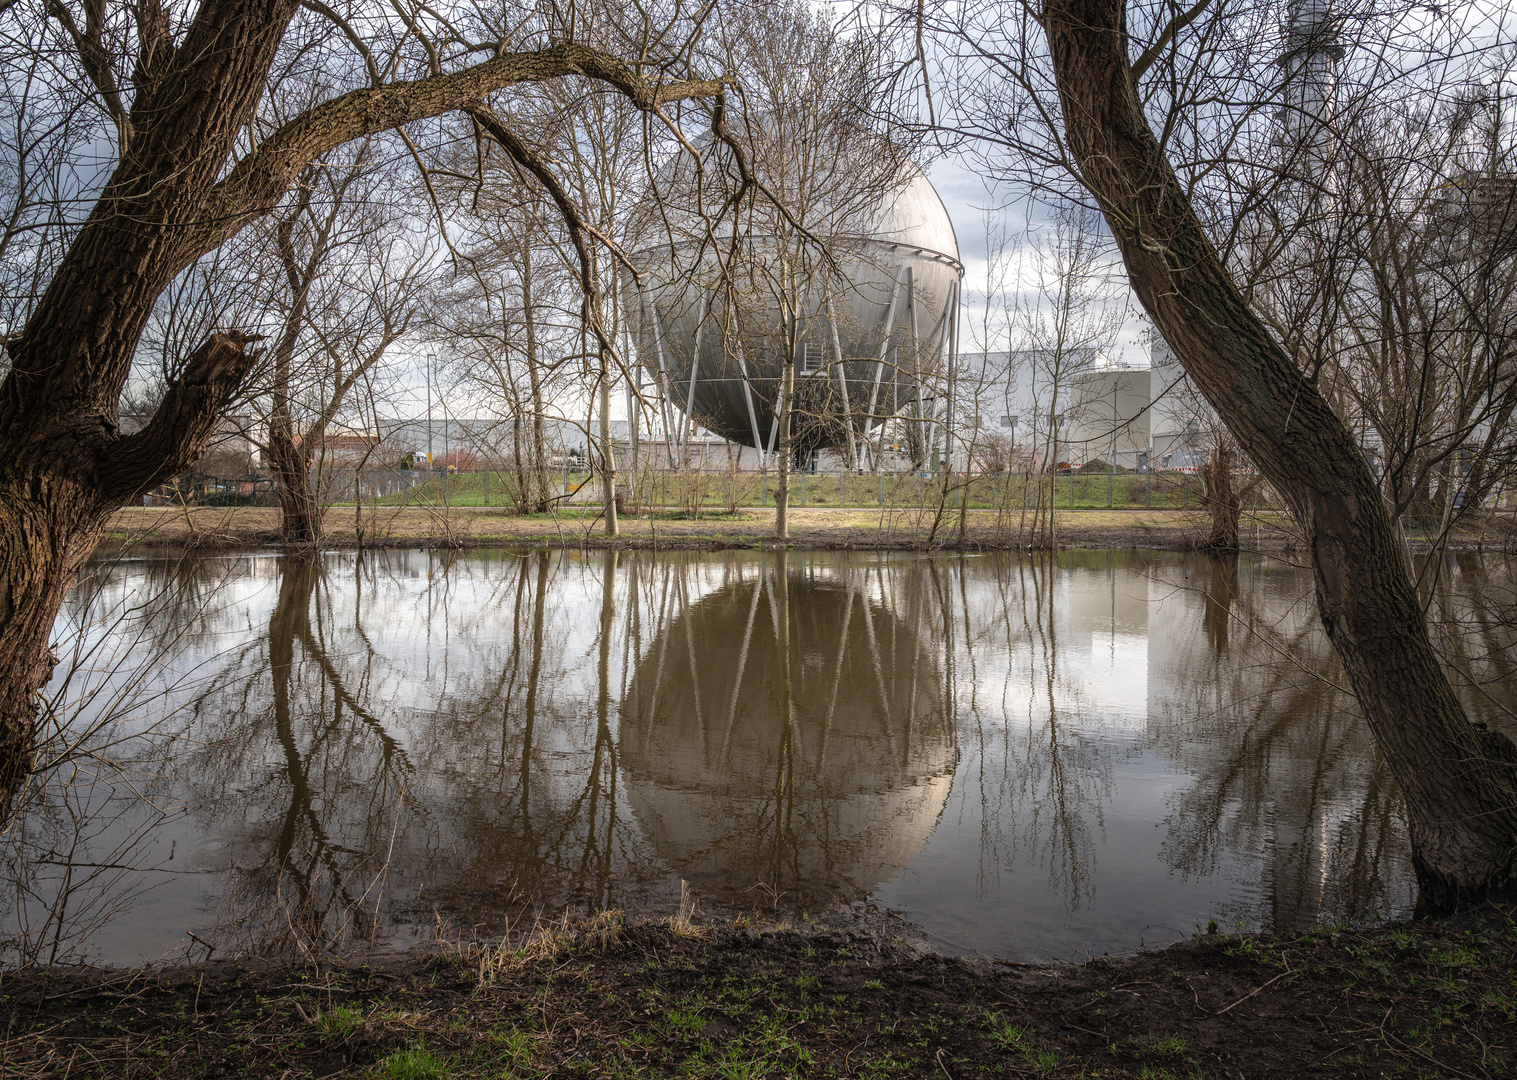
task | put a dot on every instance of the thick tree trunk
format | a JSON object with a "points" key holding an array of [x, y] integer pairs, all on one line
{"points": [[1460, 782], [59, 483], [299, 512], [47, 530], [1222, 502]]}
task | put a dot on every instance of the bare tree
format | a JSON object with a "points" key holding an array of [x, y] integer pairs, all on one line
{"points": [[1190, 435], [500, 321], [598, 138], [1459, 781], [1066, 321], [349, 278], [1425, 321], [192, 167]]}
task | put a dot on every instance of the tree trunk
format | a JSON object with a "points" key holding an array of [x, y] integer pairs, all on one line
{"points": [[36, 571], [782, 454], [64, 465], [58, 487], [537, 500], [299, 513], [1222, 501], [519, 462], [607, 451], [1460, 782]]}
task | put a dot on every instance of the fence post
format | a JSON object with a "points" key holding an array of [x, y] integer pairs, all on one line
{"points": [[842, 487], [487, 487], [803, 487], [1111, 480], [1148, 487], [1071, 487], [882, 490]]}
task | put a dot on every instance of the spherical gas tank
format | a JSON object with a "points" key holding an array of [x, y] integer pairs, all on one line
{"points": [[863, 300]]}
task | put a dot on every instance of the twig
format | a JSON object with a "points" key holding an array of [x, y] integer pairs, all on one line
{"points": [[1424, 1054], [1255, 990], [1197, 998], [209, 948], [1097, 1034]]}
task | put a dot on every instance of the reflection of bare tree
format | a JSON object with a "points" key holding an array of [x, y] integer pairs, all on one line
{"points": [[1219, 593], [1475, 626], [307, 824], [1062, 777], [88, 836], [1285, 770], [532, 809]]}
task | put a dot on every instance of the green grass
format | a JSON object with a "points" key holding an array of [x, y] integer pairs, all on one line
{"points": [[709, 492], [416, 1063], [338, 1021], [1019, 1041], [1162, 1046]]}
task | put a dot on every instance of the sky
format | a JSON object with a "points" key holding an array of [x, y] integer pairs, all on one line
{"points": [[966, 196]]}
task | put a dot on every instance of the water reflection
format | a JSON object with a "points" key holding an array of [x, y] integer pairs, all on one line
{"points": [[788, 731], [1284, 766], [1028, 756]]}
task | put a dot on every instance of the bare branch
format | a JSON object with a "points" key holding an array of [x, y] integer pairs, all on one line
{"points": [[1167, 35], [354, 39], [258, 181]]}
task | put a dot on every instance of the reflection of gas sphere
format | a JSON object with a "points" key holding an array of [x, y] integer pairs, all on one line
{"points": [[886, 311], [828, 796]]}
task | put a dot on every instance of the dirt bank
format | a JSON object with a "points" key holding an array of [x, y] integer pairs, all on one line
{"points": [[613, 999], [908, 530], [890, 530]]}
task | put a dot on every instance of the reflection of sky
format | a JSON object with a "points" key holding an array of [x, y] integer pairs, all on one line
{"points": [[1101, 796]]}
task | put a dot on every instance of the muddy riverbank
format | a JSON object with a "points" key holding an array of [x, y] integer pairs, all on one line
{"points": [[612, 998]]}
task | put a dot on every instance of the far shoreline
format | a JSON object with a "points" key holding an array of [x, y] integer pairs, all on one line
{"points": [[901, 530]]}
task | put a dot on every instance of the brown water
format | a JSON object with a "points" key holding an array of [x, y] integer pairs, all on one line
{"points": [[1024, 756]]}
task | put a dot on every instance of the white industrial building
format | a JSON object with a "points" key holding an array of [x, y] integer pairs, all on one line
{"points": [[1079, 408]]}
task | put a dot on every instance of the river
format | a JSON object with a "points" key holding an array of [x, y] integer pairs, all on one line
{"points": [[1026, 756]]}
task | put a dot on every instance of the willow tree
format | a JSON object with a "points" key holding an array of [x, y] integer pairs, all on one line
{"points": [[177, 90], [1459, 780]]}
